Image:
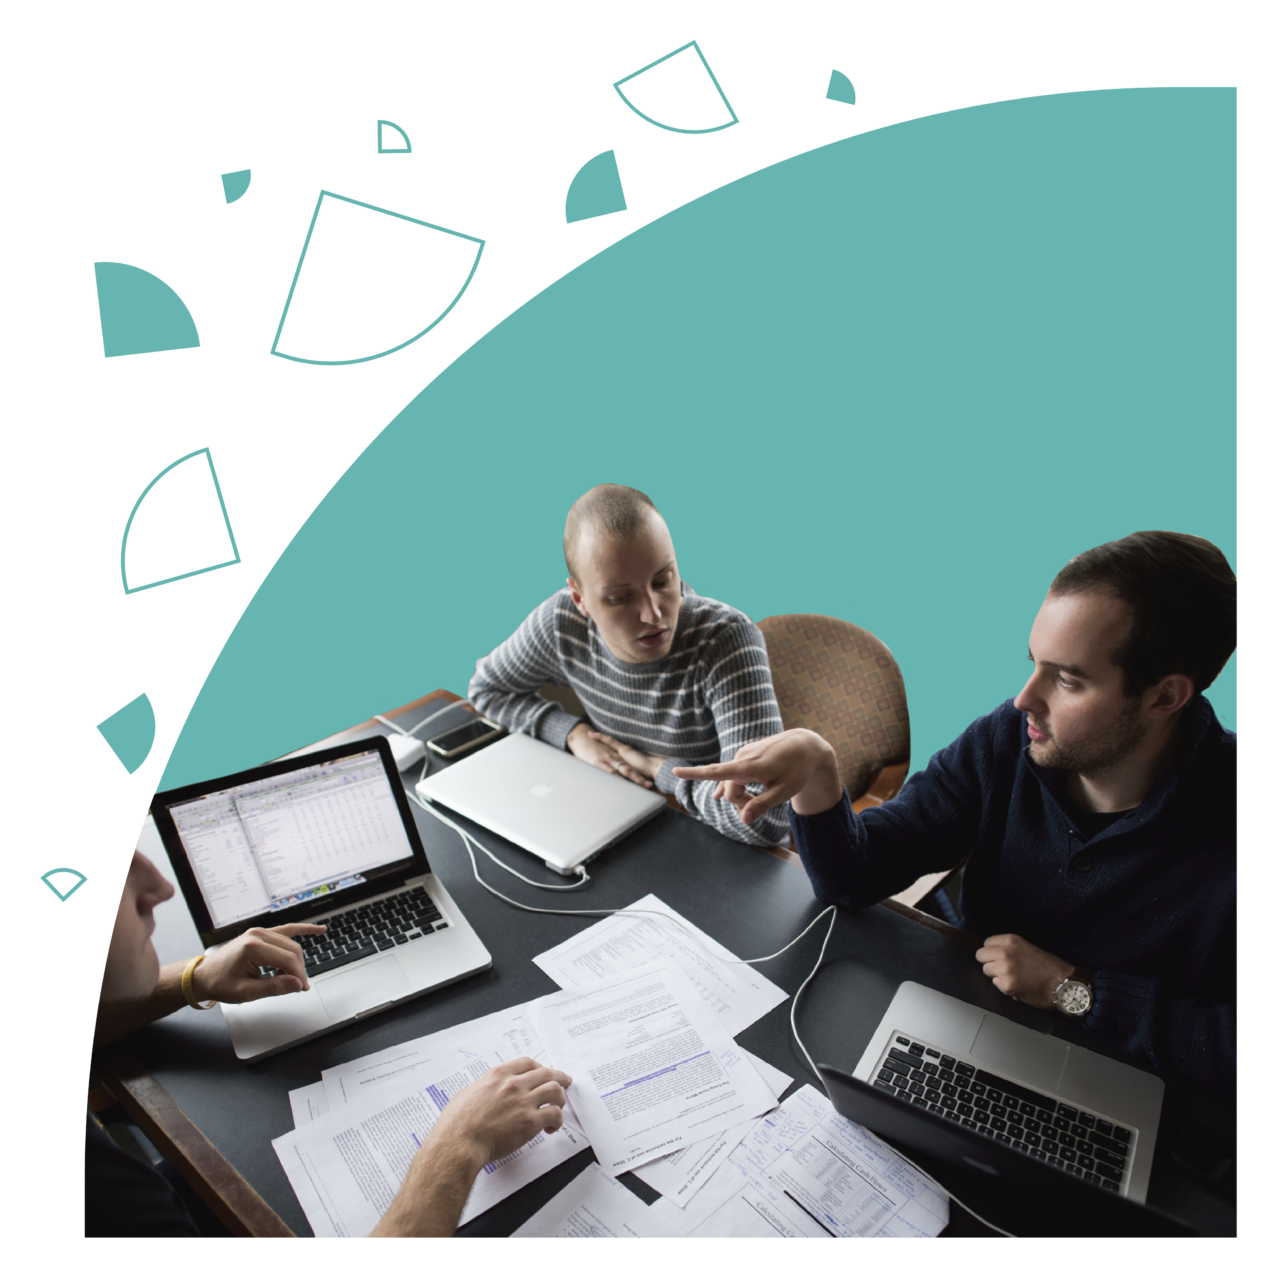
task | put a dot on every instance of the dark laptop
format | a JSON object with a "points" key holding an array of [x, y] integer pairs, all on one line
{"points": [[1024, 1196]]}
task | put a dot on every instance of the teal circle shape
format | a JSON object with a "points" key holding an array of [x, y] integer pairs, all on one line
{"points": [[898, 380]]}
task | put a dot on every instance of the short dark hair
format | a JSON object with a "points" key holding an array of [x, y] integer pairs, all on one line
{"points": [[615, 509], [1182, 594]]}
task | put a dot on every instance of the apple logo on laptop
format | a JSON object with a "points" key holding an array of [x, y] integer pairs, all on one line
{"points": [[539, 789]]}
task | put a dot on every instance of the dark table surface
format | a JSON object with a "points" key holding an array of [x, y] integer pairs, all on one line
{"points": [[747, 899]]}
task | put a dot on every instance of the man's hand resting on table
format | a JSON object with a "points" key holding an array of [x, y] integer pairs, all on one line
{"points": [[795, 765], [613, 756], [231, 973], [483, 1122], [1021, 970]]}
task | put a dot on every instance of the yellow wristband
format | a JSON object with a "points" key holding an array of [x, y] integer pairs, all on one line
{"points": [[188, 989]]}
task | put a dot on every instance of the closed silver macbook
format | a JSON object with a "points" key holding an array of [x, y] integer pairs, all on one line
{"points": [[544, 800]]}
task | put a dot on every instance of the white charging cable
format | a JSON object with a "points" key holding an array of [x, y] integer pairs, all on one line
{"points": [[469, 841]]}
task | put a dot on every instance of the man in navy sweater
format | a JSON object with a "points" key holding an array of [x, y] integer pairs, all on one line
{"points": [[1097, 810]]}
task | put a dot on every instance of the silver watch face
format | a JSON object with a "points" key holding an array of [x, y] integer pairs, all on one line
{"points": [[1074, 998]]}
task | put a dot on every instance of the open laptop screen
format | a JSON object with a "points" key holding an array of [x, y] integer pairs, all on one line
{"points": [[287, 836]]}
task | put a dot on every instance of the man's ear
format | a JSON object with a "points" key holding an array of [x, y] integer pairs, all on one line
{"points": [[1171, 694], [575, 593]]}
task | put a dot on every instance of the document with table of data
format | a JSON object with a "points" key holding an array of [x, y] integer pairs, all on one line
{"points": [[351, 1080], [346, 1166], [805, 1170], [679, 1174], [653, 1069], [738, 995]]}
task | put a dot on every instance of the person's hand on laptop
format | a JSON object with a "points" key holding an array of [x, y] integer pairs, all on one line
{"points": [[611, 755], [482, 1123], [796, 765], [230, 974], [1022, 970]]}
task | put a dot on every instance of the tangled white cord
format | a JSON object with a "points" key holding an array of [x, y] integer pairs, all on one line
{"points": [[469, 841]]}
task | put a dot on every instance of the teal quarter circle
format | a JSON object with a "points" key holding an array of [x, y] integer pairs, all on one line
{"points": [[693, 44], [140, 313], [58, 871], [234, 185], [840, 89], [131, 731], [408, 342], [387, 134], [595, 190], [208, 455]]}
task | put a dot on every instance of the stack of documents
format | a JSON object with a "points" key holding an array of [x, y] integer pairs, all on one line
{"points": [[644, 1023]]}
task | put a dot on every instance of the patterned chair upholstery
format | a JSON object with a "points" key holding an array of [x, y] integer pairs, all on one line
{"points": [[842, 682]]}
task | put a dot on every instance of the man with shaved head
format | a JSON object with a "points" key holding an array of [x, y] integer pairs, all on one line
{"points": [[667, 677]]}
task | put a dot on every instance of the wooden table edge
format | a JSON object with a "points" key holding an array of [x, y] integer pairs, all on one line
{"points": [[176, 1136]]}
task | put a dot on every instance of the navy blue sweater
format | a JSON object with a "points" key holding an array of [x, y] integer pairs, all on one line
{"points": [[1149, 902]]}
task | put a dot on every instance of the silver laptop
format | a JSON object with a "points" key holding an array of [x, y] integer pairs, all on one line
{"points": [[324, 838], [544, 800], [1084, 1113]]}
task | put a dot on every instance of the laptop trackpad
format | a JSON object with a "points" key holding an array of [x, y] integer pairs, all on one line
{"points": [[346, 994], [1026, 1055]]}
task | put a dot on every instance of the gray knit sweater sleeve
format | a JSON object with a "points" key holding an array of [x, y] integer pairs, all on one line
{"points": [[738, 690], [506, 683]]}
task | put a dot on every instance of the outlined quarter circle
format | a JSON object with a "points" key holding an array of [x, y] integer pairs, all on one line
{"points": [[706, 66], [124, 542], [404, 217]]}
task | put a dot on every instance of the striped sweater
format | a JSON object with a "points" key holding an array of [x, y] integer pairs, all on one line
{"points": [[709, 696]]}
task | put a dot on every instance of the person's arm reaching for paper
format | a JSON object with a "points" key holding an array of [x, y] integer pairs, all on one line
{"points": [[482, 1123]]}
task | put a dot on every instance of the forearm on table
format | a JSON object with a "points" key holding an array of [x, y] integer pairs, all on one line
{"points": [[506, 684], [117, 1020], [431, 1198]]}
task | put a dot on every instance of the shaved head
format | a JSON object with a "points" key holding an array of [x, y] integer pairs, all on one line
{"points": [[614, 510]]}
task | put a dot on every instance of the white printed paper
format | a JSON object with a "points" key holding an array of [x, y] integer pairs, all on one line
{"points": [[308, 1103], [653, 1070], [346, 1166], [592, 1205], [736, 992], [350, 1080], [679, 1174], [804, 1170]]}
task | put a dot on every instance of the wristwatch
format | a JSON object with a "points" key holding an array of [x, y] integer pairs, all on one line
{"points": [[1074, 995]]}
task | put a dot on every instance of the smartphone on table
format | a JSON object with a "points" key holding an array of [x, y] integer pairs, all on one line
{"points": [[466, 737]]}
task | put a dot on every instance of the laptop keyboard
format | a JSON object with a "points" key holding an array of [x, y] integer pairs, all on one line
{"points": [[1092, 1147], [369, 928]]}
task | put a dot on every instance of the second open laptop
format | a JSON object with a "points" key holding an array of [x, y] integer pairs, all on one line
{"points": [[325, 838], [1064, 1135], [544, 800]]}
